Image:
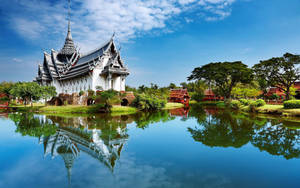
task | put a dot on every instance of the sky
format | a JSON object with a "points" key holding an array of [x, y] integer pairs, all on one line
{"points": [[161, 41]]}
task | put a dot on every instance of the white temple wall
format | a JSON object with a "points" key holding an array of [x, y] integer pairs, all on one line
{"points": [[117, 83], [90, 81], [122, 83]]}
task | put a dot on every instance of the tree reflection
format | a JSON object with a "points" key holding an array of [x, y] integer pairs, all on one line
{"points": [[277, 140], [223, 128], [30, 125]]}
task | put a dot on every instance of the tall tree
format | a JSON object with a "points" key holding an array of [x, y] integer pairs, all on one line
{"points": [[27, 91], [223, 75], [48, 92], [280, 72]]}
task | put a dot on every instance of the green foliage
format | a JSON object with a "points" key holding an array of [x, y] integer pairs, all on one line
{"points": [[197, 96], [107, 98], [291, 104], [29, 91], [235, 104], [4, 99], [100, 88], [5, 87], [281, 72], [259, 103], [245, 90], [81, 93], [245, 102], [274, 97], [172, 86], [254, 104], [223, 76], [48, 91], [148, 103], [28, 125]]}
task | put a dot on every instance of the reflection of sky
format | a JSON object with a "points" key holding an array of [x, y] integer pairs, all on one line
{"points": [[162, 155]]}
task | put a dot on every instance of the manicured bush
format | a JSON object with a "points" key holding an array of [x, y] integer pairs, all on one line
{"points": [[148, 103], [109, 98], [235, 104], [254, 104], [260, 102], [245, 102], [291, 104]]}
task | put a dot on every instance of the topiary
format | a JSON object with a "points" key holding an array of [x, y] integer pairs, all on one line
{"points": [[259, 103], [245, 102], [290, 104]]}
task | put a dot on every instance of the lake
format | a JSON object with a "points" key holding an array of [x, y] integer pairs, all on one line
{"points": [[188, 147]]}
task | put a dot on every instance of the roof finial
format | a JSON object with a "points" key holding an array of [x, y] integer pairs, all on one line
{"points": [[69, 15], [112, 37]]}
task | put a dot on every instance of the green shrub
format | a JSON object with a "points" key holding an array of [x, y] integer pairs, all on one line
{"points": [[291, 104], [235, 104], [148, 103], [109, 97], [260, 102], [4, 99], [245, 102], [254, 104], [81, 93]]}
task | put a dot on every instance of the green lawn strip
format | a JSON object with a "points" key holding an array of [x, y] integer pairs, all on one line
{"points": [[171, 105]]}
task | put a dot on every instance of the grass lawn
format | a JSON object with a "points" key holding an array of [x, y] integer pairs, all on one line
{"points": [[78, 109], [172, 105], [122, 110]]}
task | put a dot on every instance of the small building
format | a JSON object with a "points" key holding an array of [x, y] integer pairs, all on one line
{"points": [[276, 91], [209, 95], [179, 96], [3, 103]]}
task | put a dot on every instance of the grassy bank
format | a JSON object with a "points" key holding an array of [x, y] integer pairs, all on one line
{"points": [[172, 105], [213, 103], [77, 109], [278, 109]]}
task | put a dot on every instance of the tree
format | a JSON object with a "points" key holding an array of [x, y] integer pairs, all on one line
{"points": [[184, 85], [48, 92], [27, 91], [246, 90], [172, 86], [280, 72], [5, 87], [223, 76]]}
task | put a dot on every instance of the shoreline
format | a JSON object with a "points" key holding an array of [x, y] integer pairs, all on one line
{"points": [[77, 109], [277, 110]]}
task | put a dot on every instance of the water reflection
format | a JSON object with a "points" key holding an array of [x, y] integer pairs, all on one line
{"points": [[103, 137], [224, 128]]}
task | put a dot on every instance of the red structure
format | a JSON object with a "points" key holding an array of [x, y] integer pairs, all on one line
{"points": [[210, 96], [182, 112], [179, 96], [275, 91], [3, 104]]}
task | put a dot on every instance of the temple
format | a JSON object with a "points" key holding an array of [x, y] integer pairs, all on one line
{"points": [[71, 72]]}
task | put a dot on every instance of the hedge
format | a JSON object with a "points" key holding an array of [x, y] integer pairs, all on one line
{"points": [[291, 104]]}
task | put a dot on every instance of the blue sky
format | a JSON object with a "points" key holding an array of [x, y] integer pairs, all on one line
{"points": [[162, 40]]}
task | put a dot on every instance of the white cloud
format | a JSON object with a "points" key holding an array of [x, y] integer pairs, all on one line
{"points": [[17, 60], [94, 21]]}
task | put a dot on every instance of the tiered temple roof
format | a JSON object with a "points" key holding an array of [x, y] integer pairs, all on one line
{"points": [[77, 65], [68, 63]]}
